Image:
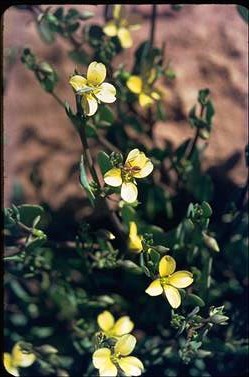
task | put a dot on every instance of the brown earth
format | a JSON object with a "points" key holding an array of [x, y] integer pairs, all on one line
{"points": [[207, 47]]}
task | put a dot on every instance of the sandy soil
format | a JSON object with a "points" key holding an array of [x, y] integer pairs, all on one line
{"points": [[207, 46]]}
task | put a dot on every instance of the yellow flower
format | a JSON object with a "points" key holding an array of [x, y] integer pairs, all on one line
{"points": [[107, 361], [92, 89], [169, 281], [134, 241], [17, 358], [143, 87], [137, 165], [120, 27], [114, 329]]}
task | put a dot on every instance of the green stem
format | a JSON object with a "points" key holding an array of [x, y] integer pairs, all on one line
{"points": [[152, 25], [84, 141], [190, 151], [58, 99]]}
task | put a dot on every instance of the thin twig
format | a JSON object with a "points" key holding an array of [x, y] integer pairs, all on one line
{"points": [[58, 99], [191, 147], [152, 25]]}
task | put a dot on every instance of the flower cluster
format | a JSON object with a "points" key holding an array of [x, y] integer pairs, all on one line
{"points": [[169, 281], [17, 358], [114, 329], [93, 89], [143, 87], [137, 165], [120, 26], [110, 360]]}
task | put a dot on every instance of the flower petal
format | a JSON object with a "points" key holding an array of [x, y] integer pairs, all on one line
{"points": [[135, 84], [167, 266], [113, 177], [21, 358], [155, 288], [118, 11], [125, 37], [129, 192], [105, 320], [110, 29], [123, 326], [89, 104], [78, 82], [136, 158], [155, 95], [131, 366], [173, 296], [181, 279], [101, 357], [106, 93], [145, 170], [96, 73], [7, 362], [145, 100], [110, 370], [125, 345], [134, 241]]}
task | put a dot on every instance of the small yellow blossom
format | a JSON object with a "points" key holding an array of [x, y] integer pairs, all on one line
{"points": [[108, 361], [92, 88], [120, 26], [134, 240], [114, 329], [17, 358], [137, 165], [169, 281], [142, 86]]}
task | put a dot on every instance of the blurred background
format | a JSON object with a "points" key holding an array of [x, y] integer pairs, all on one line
{"points": [[206, 46]]}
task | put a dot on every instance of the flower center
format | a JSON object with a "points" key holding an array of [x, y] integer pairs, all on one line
{"points": [[115, 358], [164, 280]]}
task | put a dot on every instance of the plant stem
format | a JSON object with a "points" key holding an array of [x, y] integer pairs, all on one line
{"points": [[190, 151], [58, 99], [152, 25]]}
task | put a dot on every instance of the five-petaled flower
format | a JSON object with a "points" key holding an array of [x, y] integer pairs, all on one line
{"points": [[92, 88], [169, 281], [108, 361], [114, 329], [120, 27], [17, 358], [143, 87], [134, 240], [137, 165]]}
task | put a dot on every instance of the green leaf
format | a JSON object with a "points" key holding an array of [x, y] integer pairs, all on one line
{"points": [[59, 13], [73, 27], [29, 212], [35, 244], [104, 162], [155, 256], [130, 266], [202, 96], [207, 210], [128, 214], [106, 115], [45, 32], [209, 112], [243, 12], [86, 15], [192, 299], [79, 56], [19, 291], [84, 182]]}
